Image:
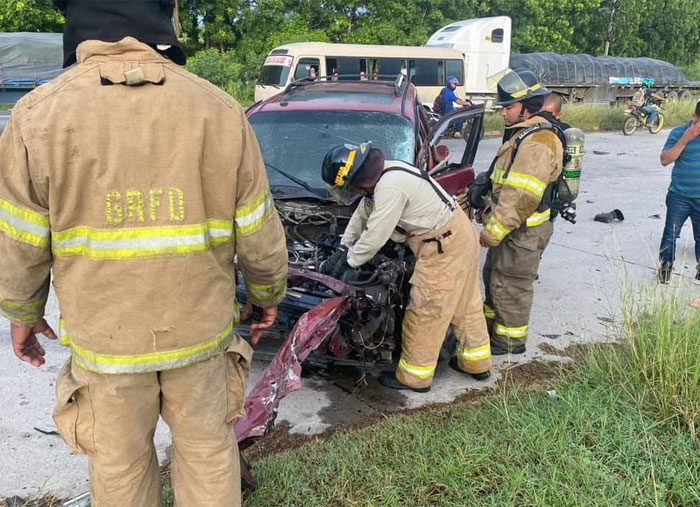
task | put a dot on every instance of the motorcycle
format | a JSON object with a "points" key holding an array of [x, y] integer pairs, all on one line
{"points": [[636, 117]]}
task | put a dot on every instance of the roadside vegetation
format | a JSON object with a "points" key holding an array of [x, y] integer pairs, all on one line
{"points": [[6, 107], [601, 118], [618, 428]]}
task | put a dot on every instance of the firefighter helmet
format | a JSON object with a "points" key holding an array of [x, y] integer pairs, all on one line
{"points": [[517, 86], [342, 163]]}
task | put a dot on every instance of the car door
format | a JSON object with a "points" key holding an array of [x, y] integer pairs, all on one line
{"points": [[450, 148]]}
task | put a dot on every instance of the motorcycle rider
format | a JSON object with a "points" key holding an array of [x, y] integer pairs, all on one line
{"points": [[518, 222], [405, 204], [643, 99]]}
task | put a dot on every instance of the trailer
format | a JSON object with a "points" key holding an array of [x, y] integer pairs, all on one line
{"points": [[28, 60], [582, 79]]}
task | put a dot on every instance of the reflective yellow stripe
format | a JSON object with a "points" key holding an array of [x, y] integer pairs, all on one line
{"points": [[511, 332], [340, 178], [421, 372], [496, 228], [25, 225], [142, 242], [522, 93], [525, 181], [497, 176], [475, 354], [23, 311], [489, 312], [251, 217], [156, 361], [539, 218], [63, 337], [266, 294]]}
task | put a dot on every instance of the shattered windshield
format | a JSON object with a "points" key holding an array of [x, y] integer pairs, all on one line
{"points": [[297, 141]]}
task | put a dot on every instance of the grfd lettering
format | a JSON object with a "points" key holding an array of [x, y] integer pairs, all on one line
{"points": [[136, 206]]}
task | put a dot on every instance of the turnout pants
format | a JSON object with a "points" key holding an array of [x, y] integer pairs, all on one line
{"points": [[509, 275], [445, 291], [112, 419]]}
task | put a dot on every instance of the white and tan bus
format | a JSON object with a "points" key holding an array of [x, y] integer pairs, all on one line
{"points": [[426, 67]]}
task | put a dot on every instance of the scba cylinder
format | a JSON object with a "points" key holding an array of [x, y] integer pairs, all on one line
{"points": [[571, 177]]}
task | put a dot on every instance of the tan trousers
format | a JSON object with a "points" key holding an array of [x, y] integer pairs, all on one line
{"points": [[112, 419], [445, 291], [509, 276]]}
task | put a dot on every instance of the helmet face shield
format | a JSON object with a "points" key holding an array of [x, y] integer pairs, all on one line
{"points": [[342, 195], [513, 88]]}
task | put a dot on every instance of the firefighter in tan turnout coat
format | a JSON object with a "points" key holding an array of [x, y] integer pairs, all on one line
{"points": [[405, 204], [136, 183], [518, 225]]}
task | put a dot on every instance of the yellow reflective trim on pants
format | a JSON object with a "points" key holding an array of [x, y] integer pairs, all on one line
{"points": [[251, 217], [525, 181], [489, 312], [511, 332], [142, 242], [155, 361], [539, 218], [24, 225], [266, 294], [496, 228], [475, 354], [421, 372]]}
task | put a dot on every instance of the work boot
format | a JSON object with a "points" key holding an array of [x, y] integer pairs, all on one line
{"points": [[388, 379], [478, 376], [500, 351], [665, 271]]}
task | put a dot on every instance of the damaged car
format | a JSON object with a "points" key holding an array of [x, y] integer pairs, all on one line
{"points": [[295, 129]]}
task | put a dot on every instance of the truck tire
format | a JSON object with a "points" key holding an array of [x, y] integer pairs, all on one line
{"points": [[686, 96], [630, 125], [672, 96]]}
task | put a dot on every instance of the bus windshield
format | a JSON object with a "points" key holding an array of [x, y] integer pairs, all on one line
{"points": [[275, 71], [297, 141]]}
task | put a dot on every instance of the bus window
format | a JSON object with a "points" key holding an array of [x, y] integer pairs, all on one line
{"points": [[441, 72], [332, 67], [349, 69], [307, 68], [425, 72], [390, 66], [275, 70], [373, 68], [456, 68]]}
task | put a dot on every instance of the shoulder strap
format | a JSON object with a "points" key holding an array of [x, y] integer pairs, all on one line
{"points": [[422, 174], [521, 136]]}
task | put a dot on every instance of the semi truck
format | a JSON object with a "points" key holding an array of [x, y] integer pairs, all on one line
{"points": [[486, 46]]}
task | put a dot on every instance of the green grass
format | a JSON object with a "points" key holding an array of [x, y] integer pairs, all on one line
{"points": [[6, 107], [601, 118], [621, 430]]}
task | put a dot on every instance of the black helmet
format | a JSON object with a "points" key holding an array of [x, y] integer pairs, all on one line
{"points": [[342, 162], [517, 86]]}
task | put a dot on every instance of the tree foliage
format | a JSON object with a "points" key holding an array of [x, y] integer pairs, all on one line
{"points": [[29, 16]]}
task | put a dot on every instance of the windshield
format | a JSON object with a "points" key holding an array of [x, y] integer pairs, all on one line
{"points": [[275, 71], [297, 141]]}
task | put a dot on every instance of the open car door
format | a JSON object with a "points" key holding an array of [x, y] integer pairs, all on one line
{"points": [[452, 143]]}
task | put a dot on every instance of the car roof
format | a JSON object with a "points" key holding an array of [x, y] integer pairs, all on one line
{"points": [[376, 96]]}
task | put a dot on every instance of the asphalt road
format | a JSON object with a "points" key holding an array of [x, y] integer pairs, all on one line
{"points": [[582, 273], [4, 116]]}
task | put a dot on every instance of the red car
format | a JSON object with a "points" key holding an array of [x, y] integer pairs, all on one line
{"points": [[295, 130]]}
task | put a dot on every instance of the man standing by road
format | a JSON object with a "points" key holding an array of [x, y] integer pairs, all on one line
{"points": [[136, 183], [682, 149], [518, 225], [553, 104], [403, 203]]}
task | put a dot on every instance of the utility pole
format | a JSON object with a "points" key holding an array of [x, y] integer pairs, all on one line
{"points": [[615, 5]]}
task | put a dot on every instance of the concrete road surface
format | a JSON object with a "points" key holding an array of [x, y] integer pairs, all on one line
{"points": [[577, 294]]}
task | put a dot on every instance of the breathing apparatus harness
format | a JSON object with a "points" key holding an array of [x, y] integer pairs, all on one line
{"points": [[483, 185]]}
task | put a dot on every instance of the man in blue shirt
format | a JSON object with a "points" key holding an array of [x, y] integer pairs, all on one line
{"points": [[449, 96], [683, 199]]}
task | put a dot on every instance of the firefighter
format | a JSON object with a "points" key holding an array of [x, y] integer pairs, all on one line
{"points": [[518, 222], [403, 203], [136, 183]]}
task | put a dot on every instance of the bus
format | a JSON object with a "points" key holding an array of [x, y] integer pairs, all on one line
{"points": [[427, 68]]}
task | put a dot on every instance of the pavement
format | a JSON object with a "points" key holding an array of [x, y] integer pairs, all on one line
{"points": [[583, 272], [4, 117]]}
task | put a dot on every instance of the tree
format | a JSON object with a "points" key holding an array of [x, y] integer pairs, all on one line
{"points": [[29, 16]]}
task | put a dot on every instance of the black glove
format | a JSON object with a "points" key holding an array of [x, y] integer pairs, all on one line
{"points": [[329, 265]]}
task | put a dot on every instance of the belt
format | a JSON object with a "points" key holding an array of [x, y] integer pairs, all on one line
{"points": [[438, 240]]}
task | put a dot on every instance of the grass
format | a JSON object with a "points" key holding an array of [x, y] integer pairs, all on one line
{"points": [[6, 107], [621, 430], [601, 118]]}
